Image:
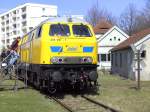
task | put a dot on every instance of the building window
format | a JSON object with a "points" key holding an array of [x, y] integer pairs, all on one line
{"points": [[116, 57], [120, 60], [7, 15], [14, 12], [24, 16], [143, 54], [30, 28], [110, 39], [14, 26], [17, 11], [8, 41], [43, 9], [103, 57], [7, 22], [119, 39], [108, 55], [14, 39], [112, 58], [23, 9], [24, 31], [14, 32], [18, 18], [2, 17], [24, 23], [98, 56], [114, 38]]}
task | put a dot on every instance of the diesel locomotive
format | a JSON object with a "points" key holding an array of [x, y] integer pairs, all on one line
{"points": [[60, 52]]}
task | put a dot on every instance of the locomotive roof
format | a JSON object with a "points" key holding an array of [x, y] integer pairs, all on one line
{"points": [[65, 19]]}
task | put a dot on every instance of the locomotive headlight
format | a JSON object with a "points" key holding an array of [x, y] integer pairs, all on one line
{"points": [[57, 60], [54, 60], [87, 60]]}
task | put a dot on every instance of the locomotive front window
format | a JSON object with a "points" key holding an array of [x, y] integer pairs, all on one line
{"points": [[59, 30], [81, 31]]}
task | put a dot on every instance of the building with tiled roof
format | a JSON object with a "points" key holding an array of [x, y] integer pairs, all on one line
{"points": [[102, 27], [123, 56], [108, 36], [133, 39]]}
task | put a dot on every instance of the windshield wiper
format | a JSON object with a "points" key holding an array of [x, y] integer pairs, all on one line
{"points": [[62, 29], [82, 30]]}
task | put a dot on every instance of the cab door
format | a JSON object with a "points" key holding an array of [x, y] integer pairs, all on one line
{"points": [[31, 47]]}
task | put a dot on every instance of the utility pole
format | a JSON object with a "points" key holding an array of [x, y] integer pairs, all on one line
{"points": [[97, 4]]}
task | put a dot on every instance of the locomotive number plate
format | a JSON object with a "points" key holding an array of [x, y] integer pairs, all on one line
{"points": [[72, 49]]}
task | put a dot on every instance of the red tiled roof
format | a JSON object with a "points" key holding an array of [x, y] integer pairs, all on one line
{"points": [[102, 27], [132, 39]]}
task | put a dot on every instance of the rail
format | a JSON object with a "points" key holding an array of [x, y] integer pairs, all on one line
{"points": [[100, 104], [62, 104]]}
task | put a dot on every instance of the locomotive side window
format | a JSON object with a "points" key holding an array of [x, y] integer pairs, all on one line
{"points": [[31, 35], [81, 31], [38, 32], [59, 30]]}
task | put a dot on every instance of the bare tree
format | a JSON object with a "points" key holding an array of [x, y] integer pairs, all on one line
{"points": [[128, 19], [145, 14], [94, 15], [143, 18]]}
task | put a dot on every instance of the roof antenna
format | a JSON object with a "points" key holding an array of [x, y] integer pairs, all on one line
{"points": [[69, 17]]}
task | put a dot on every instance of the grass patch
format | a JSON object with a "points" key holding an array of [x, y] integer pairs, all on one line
{"points": [[121, 94], [28, 100], [114, 91]]}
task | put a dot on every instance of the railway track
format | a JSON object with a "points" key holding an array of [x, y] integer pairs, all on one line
{"points": [[62, 104], [101, 104], [83, 104]]}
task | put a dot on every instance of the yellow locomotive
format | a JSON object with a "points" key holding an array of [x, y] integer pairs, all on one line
{"points": [[60, 52]]}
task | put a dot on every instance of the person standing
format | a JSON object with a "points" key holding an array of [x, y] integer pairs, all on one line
{"points": [[3, 55], [13, 52]]}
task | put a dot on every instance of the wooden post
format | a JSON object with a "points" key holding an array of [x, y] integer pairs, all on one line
{"points": [[138, 69]]}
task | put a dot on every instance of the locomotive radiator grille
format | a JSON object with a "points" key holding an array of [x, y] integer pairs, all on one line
{"points": [[72, 60]]}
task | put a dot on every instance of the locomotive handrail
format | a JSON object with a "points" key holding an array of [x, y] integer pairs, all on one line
{"points": [[6, 57]]}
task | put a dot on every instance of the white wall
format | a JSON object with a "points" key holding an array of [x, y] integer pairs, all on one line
{"points": [[1, 46], [145, 72], [110, 40], [107, 41], [98, 36], [37, 14], [104, 64], [33, 12], [39, 11]]}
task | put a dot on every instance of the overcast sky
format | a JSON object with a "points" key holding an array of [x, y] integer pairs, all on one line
{"points": [[76, 7]]}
